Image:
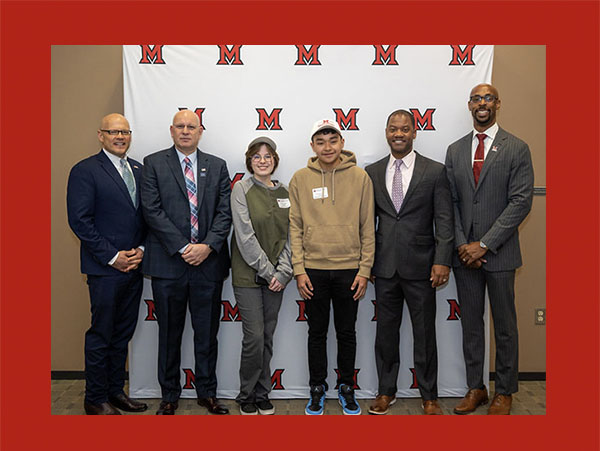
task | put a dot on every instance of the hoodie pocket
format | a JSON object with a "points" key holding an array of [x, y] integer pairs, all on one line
{"points": [[332, 241]]}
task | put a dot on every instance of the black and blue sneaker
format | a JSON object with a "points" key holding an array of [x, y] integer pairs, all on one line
{"points": [[347, 400], [316, 403]]}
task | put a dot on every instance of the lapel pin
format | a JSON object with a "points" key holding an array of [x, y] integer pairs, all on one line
{"points": [[494, 149]]}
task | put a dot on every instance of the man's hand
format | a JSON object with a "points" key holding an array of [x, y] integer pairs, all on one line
{"points": [[305, 288], [128, 260], [470, 253], [195, 254], [360, 285], [276, 285], [439, 275]]}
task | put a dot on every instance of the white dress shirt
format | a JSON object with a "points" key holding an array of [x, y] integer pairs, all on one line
{"points": [[487, 142], [406, 169]]}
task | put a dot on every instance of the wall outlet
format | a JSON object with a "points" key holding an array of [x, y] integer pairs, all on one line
{"points": [[540, 316]]}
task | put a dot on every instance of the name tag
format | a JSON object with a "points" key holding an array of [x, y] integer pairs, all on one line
{"points": [[283, 203], [202, 172], [320, 193]]}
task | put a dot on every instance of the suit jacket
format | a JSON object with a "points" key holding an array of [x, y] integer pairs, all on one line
{"points": [[406, 241], [491, 211], [167, 213], [101, 213]]}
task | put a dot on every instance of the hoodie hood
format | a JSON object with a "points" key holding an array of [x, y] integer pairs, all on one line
{"points": [[348, 159]]}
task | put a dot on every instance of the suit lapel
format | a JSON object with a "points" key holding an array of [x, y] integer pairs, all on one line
{"points": [[379, 172], [137, 175], [110, 169], [175, 167], [465, 158], [492, 154], [417, 175], [202, 168]]}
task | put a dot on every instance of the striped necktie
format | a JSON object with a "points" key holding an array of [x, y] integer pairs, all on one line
{"points": [[479, 157], [128, 179], [190, 184]]}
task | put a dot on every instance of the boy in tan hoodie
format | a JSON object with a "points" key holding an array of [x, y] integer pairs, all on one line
{"points": [[332, 232]]}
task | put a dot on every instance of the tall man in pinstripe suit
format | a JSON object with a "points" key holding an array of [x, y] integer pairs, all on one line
{"points": [[491, 178]]}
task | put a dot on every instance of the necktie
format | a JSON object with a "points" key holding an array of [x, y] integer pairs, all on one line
{"points": [[397, 191], [478, 160], [190, 184], [128, 179]]}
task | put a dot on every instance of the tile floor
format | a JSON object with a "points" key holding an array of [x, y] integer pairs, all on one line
{"points": [[67, 399]]}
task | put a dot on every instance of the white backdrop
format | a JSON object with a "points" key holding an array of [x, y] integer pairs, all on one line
{"points": [[227, 89]]}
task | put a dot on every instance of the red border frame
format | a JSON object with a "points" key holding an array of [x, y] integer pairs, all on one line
{"points": [[570, 32]]}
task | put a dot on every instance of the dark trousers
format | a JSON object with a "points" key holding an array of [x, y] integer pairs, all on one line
{"points": [[172, 298], [420, 299], [470, 286], [334, 286], [115, 303]]}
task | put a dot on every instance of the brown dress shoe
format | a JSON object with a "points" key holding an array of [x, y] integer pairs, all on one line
{"points": [[431, 407], [167, 408], [381, 405], [124, 402], [213, 406], [473, 399], [99, 409], [500, 405]]}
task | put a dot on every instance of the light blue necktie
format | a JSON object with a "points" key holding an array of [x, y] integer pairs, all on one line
{"points": [[128, 179]]}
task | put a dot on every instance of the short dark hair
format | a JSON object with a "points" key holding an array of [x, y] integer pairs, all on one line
{"points": [[325, 131], [401, 113], [253, 150]]}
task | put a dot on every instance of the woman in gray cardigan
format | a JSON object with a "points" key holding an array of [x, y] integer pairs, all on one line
{"points": [[261, 268]]}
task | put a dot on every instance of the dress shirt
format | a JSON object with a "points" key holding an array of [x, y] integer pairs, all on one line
{"points": [[193, 158], [487, 142], [406, 169]]}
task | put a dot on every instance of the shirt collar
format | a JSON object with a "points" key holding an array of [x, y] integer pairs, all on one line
{"points": [[490, 132], [193, 156], [113, 158], [408, 160]]}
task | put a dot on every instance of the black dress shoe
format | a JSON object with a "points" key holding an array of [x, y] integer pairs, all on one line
{"points": [[99, 409], [213, 406], [124, 402], [167, 408]]}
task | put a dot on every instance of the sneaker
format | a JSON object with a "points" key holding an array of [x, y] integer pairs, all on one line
{"points": [[348, 401], [316, 403], [248, 408], [265, 407]]}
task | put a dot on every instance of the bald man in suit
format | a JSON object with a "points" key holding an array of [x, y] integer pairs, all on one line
{"points": [[491, 178]]}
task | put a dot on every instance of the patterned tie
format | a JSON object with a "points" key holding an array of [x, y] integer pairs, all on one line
{"points": [[191, 191], [128, 179], [397, 191], [478, 160]]}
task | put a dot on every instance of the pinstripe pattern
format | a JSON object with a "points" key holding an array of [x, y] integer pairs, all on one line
{"points": [[490, 211]]}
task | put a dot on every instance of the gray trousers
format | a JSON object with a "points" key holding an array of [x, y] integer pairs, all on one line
{"points": [[259, 308]]}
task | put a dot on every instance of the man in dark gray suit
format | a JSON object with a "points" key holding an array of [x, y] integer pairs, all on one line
{"points": [[185, 199], [491, 177], [411, 258]]}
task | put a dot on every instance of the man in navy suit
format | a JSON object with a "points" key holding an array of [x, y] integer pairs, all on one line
{"points": [[185, 198], [413, 253], [491, 177], [103, 205]]}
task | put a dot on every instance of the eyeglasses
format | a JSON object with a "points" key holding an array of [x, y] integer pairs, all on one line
{"points": [[488, 98], [256, 158], [116, 132], [182, 127]]}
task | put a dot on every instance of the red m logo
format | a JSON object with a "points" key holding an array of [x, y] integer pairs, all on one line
{"points": [[454, 310], [230, 313], [462, 57], [423, 121], [229, 56], [152, 54], [310, 56], [276, 380], [151, 310], [374, 301], [198, 112], [414, 378], [301, 310], [236, 178], [190, 379], [346, 121], [385, 57], [268, 121], [354, 377]]}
